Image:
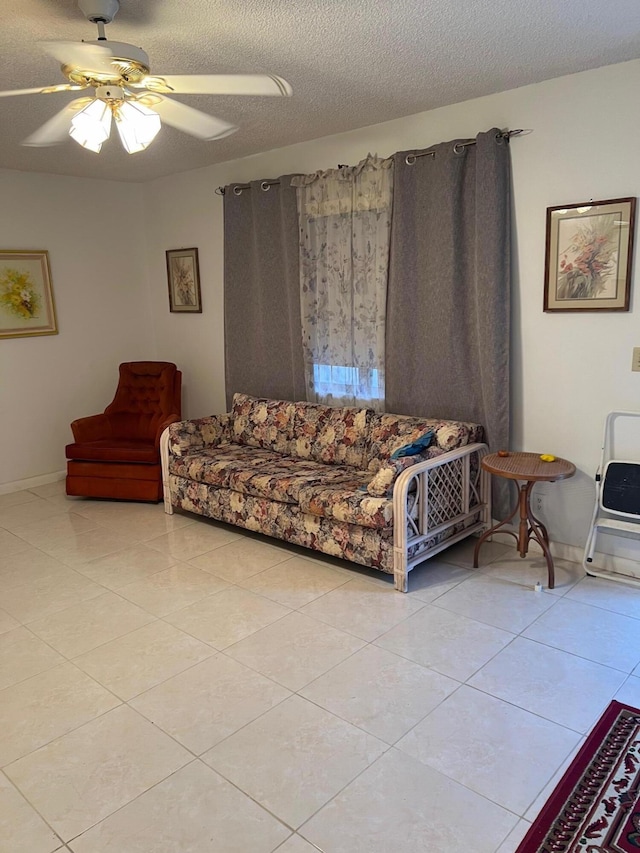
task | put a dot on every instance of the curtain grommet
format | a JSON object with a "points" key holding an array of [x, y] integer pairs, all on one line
{"points": [[458, 148], [410, 159], [237, 190], [265, 186]]}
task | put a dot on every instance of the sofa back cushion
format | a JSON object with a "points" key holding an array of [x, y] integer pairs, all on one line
{"points": [[258, 422], [351, 436], [331, 435], [388, 433]]}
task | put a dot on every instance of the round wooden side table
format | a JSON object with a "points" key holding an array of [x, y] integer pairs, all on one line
{"points": [[531, 469]]}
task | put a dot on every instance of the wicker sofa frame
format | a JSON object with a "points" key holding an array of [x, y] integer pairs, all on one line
{"points": [[442, 501], [438, 502]]}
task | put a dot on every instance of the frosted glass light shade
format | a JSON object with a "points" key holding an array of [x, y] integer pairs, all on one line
{"points": [[137, 126], [92, 125]]}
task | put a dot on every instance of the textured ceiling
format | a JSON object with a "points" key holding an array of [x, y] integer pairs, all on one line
{"points": [[351, 63]]}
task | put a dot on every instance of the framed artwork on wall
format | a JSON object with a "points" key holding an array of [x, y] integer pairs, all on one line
{"points": [[26, 295], [183, 274], [588, 256]]}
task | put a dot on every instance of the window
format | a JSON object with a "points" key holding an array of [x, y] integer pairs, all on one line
{"points": [[340, 382]]}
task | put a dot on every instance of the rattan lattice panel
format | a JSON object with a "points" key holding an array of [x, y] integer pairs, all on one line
{"points": [[444, 493]]}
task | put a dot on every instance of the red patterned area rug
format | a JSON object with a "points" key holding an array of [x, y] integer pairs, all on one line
{"points": [[596, 806]]}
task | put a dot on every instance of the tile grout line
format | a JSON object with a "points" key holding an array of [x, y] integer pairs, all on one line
{"points": [[366, 642], [27, 800]]}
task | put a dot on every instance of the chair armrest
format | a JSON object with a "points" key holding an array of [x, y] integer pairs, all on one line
{"points": [[170, 419], [190, 436], [93, 428]]}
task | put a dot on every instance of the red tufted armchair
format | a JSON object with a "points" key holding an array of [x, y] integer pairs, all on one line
{"points": [[116, 454]]}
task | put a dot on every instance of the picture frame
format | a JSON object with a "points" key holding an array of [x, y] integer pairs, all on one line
{"points": [[183, 275], [589, 253], [27, 308]]}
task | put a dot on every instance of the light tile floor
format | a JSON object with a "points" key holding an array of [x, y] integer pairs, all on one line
{"points": [[173, 685]]}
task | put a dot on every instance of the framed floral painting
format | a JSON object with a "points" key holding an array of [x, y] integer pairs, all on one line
{"points": [[26, 295], [589, 254], [183, 273]]}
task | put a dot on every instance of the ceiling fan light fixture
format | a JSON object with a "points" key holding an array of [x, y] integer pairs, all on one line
{"points": [[115, 70], [91, 126], [137, 126]]}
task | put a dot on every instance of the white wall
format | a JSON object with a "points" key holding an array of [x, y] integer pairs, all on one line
{"points": [[109, 277], [92, 232], [569, 370]]}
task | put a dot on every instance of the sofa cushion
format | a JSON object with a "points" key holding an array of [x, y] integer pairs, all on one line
{"points": [[389, 432], [286, 521], [282, 479], [383, 481], [215, 465], [452, 434], [114, 450], [346, 503], [415, 447], [259, 422], [189, 436], [331, 435]]}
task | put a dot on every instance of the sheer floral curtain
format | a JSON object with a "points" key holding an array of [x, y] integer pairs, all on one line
{"points": [[345, 222]]}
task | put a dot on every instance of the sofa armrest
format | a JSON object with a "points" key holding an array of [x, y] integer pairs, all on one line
{"points": [[170, 419], [187, 437], [438, 502], [384, 480], [93, 428], [449, 487], [478, 481]]}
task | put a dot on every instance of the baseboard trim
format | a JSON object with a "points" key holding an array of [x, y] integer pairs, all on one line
{"points": [[604, 565], [31, 482]]}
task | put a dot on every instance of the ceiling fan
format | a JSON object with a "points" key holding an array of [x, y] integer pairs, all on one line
{"points": [[125, 91]]}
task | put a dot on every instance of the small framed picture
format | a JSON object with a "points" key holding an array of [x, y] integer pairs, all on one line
{"points": [[183, 274], [589, 254], [26, 295]]}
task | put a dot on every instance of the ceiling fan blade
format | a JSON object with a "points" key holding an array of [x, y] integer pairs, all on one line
{"points": [[43, 90], [56, 130], [218, 84], [185, 118], [93, 57]]}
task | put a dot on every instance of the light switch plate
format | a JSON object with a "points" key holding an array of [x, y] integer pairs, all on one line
{"points": [[635, 363]]}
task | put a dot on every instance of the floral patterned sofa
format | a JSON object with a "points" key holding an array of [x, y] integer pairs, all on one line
{"points": [[382, 490]]}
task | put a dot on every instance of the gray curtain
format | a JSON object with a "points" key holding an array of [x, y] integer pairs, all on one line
{"points": [[447, 343], [262, 328]]}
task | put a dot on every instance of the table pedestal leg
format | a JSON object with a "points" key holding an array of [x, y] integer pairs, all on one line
{"points": [[523, 530], [529, 528], [538, 531], [490, 532]]}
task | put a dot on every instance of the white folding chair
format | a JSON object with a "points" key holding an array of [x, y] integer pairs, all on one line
{"points": [[617, 506]]}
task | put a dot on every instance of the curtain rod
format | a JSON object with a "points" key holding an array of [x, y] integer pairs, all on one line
{"points": [[410, 159]]}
